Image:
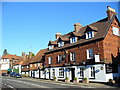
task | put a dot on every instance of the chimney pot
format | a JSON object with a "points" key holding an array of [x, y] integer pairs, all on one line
{"points": [[110, 12], [58, 35]]}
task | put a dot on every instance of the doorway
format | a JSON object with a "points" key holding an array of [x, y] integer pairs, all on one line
{"points": [[72, 73]]}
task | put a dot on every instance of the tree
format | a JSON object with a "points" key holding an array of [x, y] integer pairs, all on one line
{"points": [[5, 52], [33, 54]]}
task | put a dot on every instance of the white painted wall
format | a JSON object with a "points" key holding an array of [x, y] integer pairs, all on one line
{"points": [[5, 64]]}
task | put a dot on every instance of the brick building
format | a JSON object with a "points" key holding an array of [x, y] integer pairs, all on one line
{"points": [[92, 51], [36, 65]]}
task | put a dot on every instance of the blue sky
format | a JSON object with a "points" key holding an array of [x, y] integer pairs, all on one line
{"points": [[28, 26]]}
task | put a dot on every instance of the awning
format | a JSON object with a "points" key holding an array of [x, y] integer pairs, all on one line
{"points": [[10, 69]]}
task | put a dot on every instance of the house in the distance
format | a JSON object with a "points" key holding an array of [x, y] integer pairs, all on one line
{"points": [[92, 51], [7, 62]]}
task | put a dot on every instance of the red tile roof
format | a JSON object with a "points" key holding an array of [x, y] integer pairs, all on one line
{"points": [[38, 57]]}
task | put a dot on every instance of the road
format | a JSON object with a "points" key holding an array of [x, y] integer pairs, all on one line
{"points": [[21, 84]]}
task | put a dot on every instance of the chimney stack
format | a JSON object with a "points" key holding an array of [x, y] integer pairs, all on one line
{"points": [[27, 56], [58, 35], [30, 55], [23, 54], [110, 12], [77, 27]]}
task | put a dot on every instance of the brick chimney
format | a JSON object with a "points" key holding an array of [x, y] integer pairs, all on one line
{"points": [[23, 54], [110, 12], [58, 35], [30, 55], [77, 27], [27, 56]]}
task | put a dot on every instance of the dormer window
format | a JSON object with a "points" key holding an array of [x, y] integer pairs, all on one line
{"points": [[89, 34], [73, 39], [51, 47], [60, 43]]}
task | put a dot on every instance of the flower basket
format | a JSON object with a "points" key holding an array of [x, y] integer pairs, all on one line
{"points": [[76, 80], [67, 79], [55, 79], [85, 80]]}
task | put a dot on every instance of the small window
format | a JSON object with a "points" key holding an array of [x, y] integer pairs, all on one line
{"points": [[60, 44], [61, 72], [49, 60], [89, 34], [50, 47], [59, 58], [27, 66], [35, 64], [53, 72], [90, 54], [92, 73], [81, 72], [73, 39], [116, 31], [38, 64], [72, 56]]}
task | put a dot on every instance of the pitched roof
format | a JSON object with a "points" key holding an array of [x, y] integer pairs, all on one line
{"points": [[53, 42], [63, 38], [11, 57], [101, 26], [38, 56], [25, 61]]}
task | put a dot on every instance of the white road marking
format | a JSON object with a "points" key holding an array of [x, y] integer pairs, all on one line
{"points": [[29, 83]]}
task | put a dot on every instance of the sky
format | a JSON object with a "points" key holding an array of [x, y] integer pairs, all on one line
{"points": [[29, 26]]}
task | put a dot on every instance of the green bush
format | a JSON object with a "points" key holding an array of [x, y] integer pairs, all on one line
{"points": [[66, 78], [85, 78], [110, 80], [54, 78], [75, 78]]}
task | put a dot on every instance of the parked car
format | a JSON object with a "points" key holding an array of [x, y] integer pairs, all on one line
{"points": [[4, 74], [12, 74], [16, 75]]}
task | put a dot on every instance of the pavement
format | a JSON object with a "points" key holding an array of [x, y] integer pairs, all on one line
{"points": [[82, 85]]}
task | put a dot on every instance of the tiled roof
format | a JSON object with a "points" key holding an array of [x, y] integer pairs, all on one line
{"points": [[53, 42], [25, 61], [101, 27], [11, 57], [38, 57]]}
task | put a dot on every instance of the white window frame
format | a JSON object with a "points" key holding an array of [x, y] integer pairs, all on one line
{"points": [[116, 31], [53, 72], [73, 39], [38, 64], [60, 43], [49, 60], [51, 47], [72, 56], [35, 64], [59, 58], [90, 54], [61, 72], [92, 72], [81, 72], [89, 34]]}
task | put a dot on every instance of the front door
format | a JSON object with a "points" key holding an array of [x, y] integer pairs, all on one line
{"points": [[39, 73], [72, 73]]}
